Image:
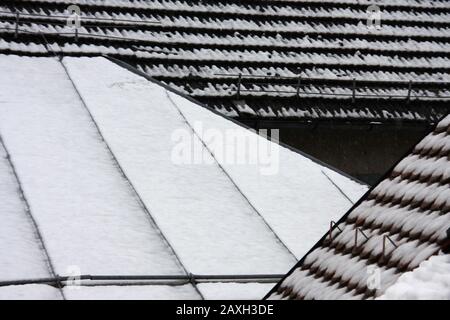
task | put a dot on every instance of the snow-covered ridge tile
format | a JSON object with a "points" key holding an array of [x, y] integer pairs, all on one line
{"points": [[209, 223], [85, 209]]}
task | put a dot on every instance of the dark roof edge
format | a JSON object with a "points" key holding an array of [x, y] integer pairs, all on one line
{"points": [[169, 88], [342, 219]]}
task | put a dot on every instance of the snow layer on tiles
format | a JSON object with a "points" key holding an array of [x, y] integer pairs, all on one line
{"points": [[21, 256], [287, 188], [314, 72], [209, 223], [87, 214], [150, 292], [269, 11], [29, 292], [177, 37], [278, 10], [234, 291], [430, 281]]}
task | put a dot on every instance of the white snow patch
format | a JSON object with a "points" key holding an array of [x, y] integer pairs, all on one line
{"points": [[234, 291], [298, 201], [29, 292], [430, 281], [150, 292], [208, 222], [87, 214], [21, 256]]}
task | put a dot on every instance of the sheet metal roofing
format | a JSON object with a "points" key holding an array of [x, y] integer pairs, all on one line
{"points": [[92, 192]]}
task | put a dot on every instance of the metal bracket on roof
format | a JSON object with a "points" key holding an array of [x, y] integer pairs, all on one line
{"points": [[16, 34], [330, 232], [408, 97], [239, 86], [353, 90], [384, 244], [347, 83], [58, 282], [359, 230], [299, 83], [191, 279]]}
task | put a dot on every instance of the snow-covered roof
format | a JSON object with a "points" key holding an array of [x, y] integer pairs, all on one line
{"points": [[91, 185], [201, 46], [400, 223], [430, 281]]}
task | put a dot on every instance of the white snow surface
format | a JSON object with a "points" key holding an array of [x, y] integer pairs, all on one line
{"points": [[148, 292], [430, 281], [21, 256], [137, 292], [226, 219], [208, 222], [29, 292], [87, 214], [234, 291], [298, 200], [210, 291]]}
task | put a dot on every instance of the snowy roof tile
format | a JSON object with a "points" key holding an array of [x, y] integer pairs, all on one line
{"points": [[325, 43], [92, 184], [394, 228]]}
